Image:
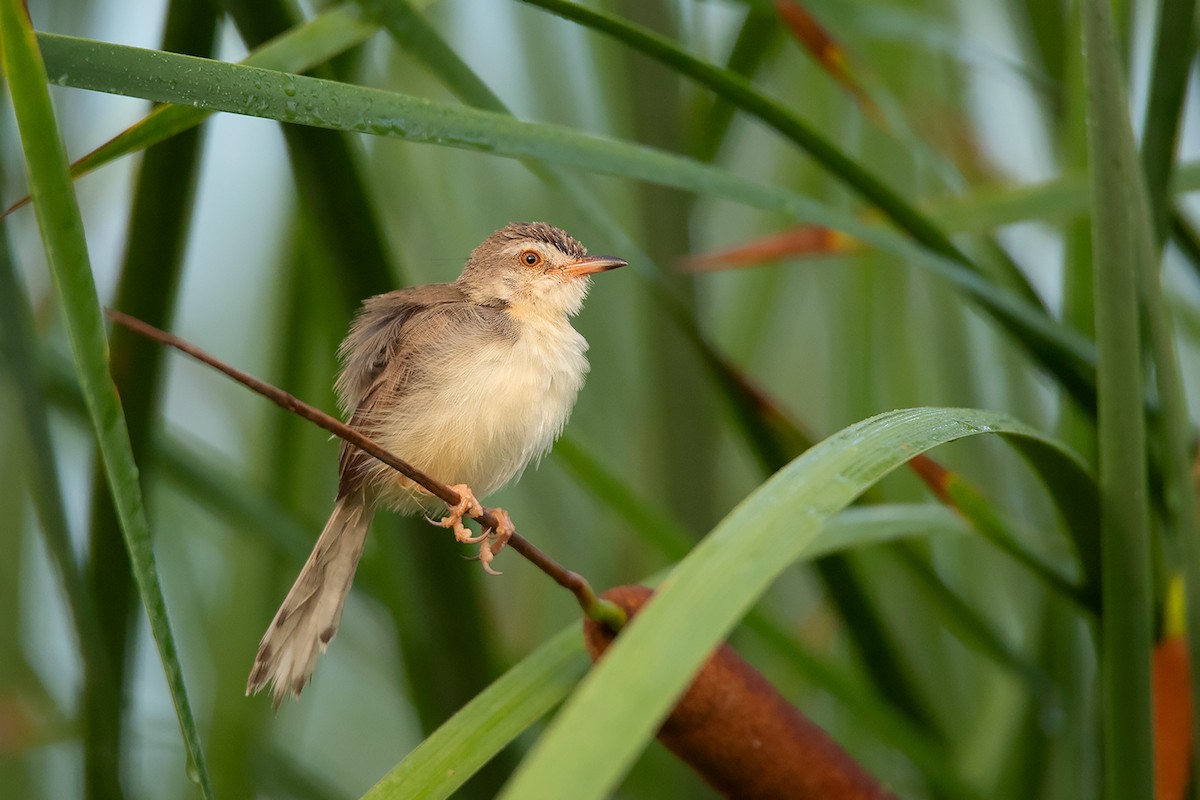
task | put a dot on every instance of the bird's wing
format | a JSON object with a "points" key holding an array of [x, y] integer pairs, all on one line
{"points": [[376, 333], [383, 361]]}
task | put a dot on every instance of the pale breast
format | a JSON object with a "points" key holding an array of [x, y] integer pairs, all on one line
{"points": [[488, 407]]}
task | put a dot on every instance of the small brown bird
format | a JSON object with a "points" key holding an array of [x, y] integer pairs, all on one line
{"points": [[467, 381]]}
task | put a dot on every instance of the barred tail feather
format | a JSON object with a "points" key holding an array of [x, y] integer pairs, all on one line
{"points": [[309, 616]]}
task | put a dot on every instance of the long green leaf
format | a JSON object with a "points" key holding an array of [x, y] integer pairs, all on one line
{"points": [[1063, 198], [1126, 629], [166, 77], [66, 251], [608, 721]]}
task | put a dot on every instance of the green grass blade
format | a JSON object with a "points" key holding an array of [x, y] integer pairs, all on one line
{"points": [[1063, 198], [1174, 49], [863, 526], [166, 77], [618, 707], [1126, 630], [651, 523], [998, 529], [1048, 25], [18, 346], [967, 625], [758, 37], [66, 251], [519, 698]]}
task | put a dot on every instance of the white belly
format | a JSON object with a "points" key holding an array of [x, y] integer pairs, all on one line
{"points": [[480, 417]]}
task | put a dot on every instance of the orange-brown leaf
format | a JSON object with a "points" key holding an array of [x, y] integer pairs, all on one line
{"points": [[935, 476], [824, 48], [1173, 729], [803, 241]]}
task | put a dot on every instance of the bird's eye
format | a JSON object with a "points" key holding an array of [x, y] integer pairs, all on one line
{"points": [[531, 258]]}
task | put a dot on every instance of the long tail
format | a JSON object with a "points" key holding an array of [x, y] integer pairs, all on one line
{"points": [[309, 616]]}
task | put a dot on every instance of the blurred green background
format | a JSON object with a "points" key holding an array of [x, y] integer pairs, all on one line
{"points": [[256, 240]]}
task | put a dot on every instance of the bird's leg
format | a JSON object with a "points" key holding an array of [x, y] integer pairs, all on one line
{"points": [[494, 539], [467, 506]]}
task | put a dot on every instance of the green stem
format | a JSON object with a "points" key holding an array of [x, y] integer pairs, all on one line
{"points": [[1174, 47], [1126, 631]]}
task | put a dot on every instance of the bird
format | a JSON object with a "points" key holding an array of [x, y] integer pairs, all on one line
{"points": [[469, 382]]}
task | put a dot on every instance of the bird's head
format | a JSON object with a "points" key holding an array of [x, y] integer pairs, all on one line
{"points": [[534, 267]]}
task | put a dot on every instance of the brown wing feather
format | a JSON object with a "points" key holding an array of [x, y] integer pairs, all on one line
{"points": [[381, 362], [378, 331]]}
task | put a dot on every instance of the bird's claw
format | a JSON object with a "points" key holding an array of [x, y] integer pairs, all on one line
{"points": [[467, 506], [492, 540]]}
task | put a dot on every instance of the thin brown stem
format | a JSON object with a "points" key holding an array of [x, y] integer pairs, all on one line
{"points": [[594, 607]]}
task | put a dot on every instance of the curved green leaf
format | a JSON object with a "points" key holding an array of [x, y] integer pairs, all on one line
{"points": [[66, 251], [618, 707]]}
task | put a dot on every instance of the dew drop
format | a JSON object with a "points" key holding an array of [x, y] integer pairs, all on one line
{"points": [[193, 772]]}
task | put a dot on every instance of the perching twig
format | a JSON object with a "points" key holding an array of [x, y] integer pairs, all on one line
{"points": [[595, 608]]}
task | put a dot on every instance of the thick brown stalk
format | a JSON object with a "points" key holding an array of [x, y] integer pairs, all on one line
{"points": [[741, 735]]}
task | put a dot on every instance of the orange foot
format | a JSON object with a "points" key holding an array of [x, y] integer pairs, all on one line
{"points": [[492, 540], [467, 506]]}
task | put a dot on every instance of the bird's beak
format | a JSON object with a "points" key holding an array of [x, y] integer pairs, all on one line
{"points": [[590, 266]]}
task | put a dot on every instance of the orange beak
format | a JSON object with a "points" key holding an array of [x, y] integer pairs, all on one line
{"points": [[589, 266]]}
